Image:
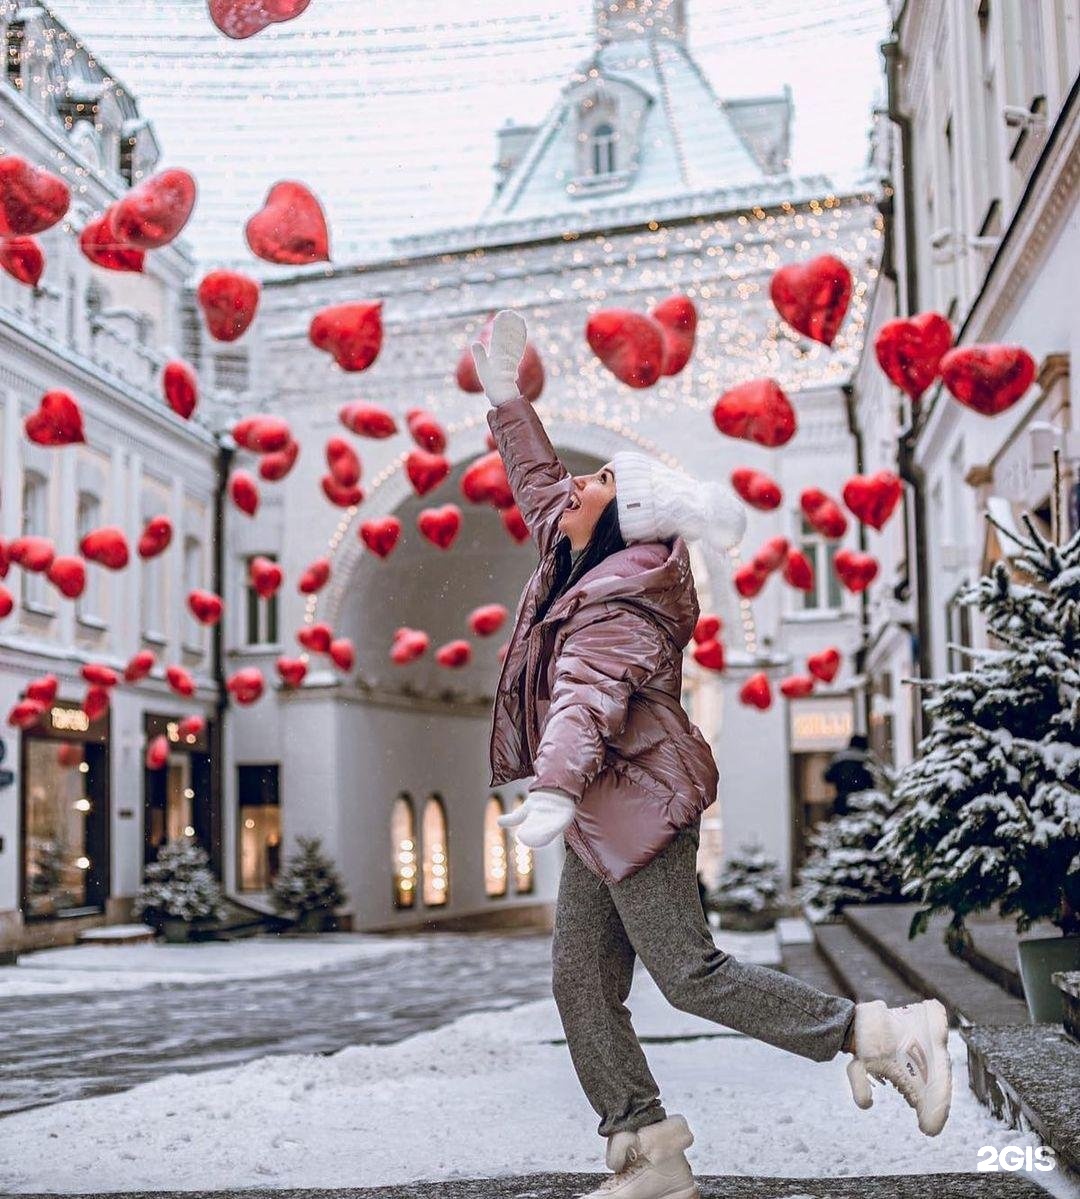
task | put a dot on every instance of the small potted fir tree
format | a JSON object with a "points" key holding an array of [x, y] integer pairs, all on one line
{"points": [[179, 896], [309, 888], [747, 894]]}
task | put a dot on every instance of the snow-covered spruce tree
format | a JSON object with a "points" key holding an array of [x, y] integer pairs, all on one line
{"points": [[990, 807], [749, 881], [179, 886], [309, 882], [845, 864]]}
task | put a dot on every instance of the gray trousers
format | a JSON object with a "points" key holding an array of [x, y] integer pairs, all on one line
{"points": [[656, 915]]}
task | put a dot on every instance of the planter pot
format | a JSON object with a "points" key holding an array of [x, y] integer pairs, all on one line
{"points": [[738, 920], [176, 931], [318, 921], [1040, 957]]}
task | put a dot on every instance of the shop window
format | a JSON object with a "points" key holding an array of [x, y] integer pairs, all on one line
{"points": [[820, 553], [603, 150], [403, 849], [495, 873], [34, 523], [259, 840], [262, 614], [523, 861], [436, 859]]}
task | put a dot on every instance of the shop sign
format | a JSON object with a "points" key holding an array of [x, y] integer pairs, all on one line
{"points": [[821, 724], [66, 721]]}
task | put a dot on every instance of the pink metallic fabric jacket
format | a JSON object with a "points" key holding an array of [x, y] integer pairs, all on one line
{"points": [[588, 697]]}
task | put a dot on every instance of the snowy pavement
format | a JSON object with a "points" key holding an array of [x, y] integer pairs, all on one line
{"points": [[490, 1095]]}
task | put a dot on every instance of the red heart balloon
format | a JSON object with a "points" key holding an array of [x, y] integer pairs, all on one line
{"points": [[155, 537], [426, 431], [315, 577], [57, 421], [453, 654], [246, 686], [32, 553], [426, 471], [873, 498], [26, 714], [190, 727], [515, 525], [277, 465], [68, 576], [798, 572], [367, 420], [757, 489], [350, 333], [7, 602], [180, 385], [707, 628], [855, 570], [823, 513], [205, 606], [153, 214], [408, 645], [262, 434], [630, 345], [756, 411], [292, 671], [530, 376], [440, 525], [98, 244], [240, 19], [813, 296], [771, 556], [343, 654], [31, 198], [99, 676], [316, 638], [180, 680], [797, 686], [139, 666], [988, 378], [756, 692], [266, 576], [909, 350], [244, 491], [380, 534], [749, 581], [487, 619], [677, 316], [228, 301], [95, 703], [291, 227], [106, 546], [23, 259], [343, 461], [342, 497], [157, 752], [710, 654], [824, 664], [485, 482], [43, 688]]}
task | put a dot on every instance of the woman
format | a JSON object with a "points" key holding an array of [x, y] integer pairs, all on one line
{"points": [[588, 704]]}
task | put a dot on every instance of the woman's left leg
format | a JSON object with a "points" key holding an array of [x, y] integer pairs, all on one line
{"points": [[660, 908]]}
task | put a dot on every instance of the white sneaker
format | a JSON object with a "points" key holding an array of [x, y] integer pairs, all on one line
{"points": [[652, 1164], [909, 1047]]}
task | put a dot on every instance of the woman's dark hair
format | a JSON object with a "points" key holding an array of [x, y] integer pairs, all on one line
{"points": [[606, 539]]}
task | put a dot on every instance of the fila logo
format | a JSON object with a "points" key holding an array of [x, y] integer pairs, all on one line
{"points": [[916, 1052]]}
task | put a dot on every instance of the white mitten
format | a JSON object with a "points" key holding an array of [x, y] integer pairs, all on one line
{"points": [[497, 367], [541, 818]]}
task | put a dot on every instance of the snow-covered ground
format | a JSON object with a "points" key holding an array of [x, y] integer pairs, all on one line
{"points": [[484, 1096], [123, 967]]}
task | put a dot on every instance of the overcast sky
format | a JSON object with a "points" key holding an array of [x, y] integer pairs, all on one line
{"points": [[388, 108]]}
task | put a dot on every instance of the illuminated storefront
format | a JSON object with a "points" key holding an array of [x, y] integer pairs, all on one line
{"points": [[819, 726], [179, 799]]}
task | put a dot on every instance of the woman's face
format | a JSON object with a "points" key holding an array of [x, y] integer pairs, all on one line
{"points": [[589, 496]]}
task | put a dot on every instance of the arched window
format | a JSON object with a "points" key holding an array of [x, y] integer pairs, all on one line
{"points": [[88, 518], [35, 523], [603, 149], [523, 861], [403, 850], [436, 858], [494, 848]]}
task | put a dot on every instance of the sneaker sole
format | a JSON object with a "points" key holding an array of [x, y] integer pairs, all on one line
{"points": [[938, 1021]]}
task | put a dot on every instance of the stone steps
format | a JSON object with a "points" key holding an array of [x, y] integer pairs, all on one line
{"points": [[859, 970]]}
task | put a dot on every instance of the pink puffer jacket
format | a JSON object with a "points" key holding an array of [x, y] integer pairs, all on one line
{"points": [[588, 698]]}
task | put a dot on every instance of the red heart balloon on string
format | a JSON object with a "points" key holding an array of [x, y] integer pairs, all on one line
{"points": [[43, 689], [228, 301], [757, 489], [771, 556], [487, 619], [710, 654], [485, 482], [241, 19], [426, 430], [23, 259], [292, 671], [32, 553], [291, 227], [7, 602], [707, 628], [157, 752], [180, 680], [342, 497], [205, 606], [191, 727], [677, 317], [32, 199], [909, 350], [873, 498], [153, 213], [155, 537], [797, 686], [629, 344], [756, 411], [316, 638], [315, 577], [440, 525], [425, 471], [265, 575], [350, 333], [26, 714], [246, 686], [408, 645], [106, 546], [823, 513], [98, 244], [380, 534], [530, 376], [244, 492], [262, 434], [825, 664], [855, 570], [798, 572], [180, 385], [343, 461], [813, 296], [99, 676], [453, 654], [988, 379], [515, 525], [57, 421], [342, 653], [756, 692], [68, 575], [274, 467], [95, 703], [749, 580], [139, 666], [367, 420]]}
